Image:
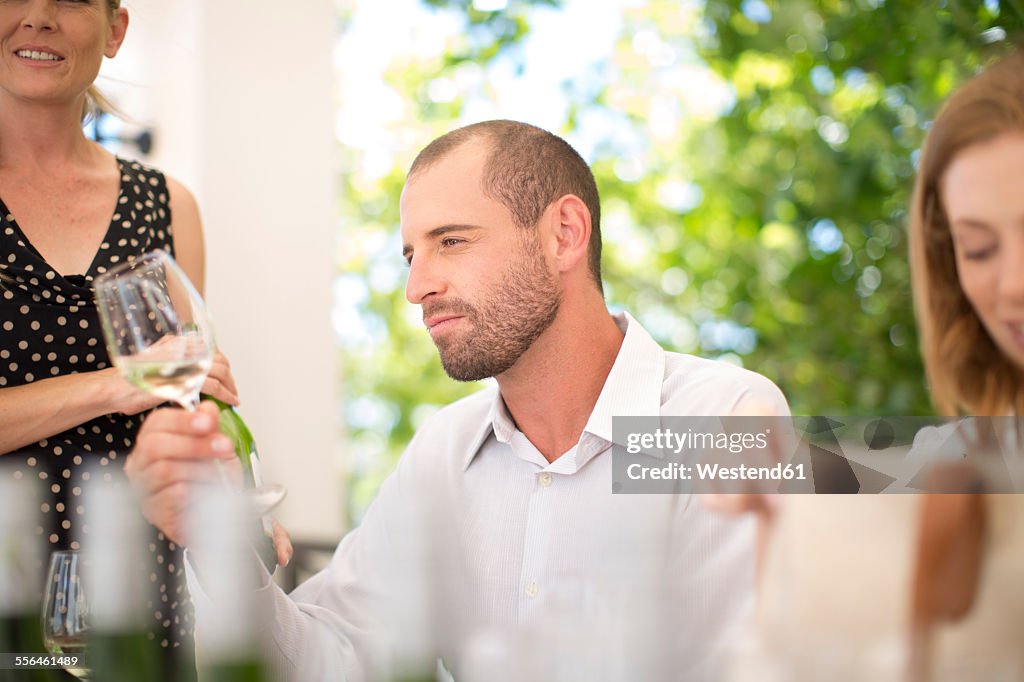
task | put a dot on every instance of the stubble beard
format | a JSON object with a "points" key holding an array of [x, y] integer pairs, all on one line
{"points": [[506, 324]]}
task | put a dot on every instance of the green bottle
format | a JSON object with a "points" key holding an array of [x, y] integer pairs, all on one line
{"points": [[234, 427]]}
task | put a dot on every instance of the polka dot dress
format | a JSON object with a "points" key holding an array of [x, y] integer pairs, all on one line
{"points": [[49, 327]]}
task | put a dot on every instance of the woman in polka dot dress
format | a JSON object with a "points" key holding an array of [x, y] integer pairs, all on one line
{"points": [[69, 210]]}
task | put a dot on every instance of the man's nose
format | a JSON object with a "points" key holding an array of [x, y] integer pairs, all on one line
{"points": [[424, 280]]}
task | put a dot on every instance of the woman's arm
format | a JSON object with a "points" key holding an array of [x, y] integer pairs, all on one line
{"points": [[43, 408]]}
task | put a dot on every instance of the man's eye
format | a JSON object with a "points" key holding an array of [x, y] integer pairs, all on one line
{"points": [[451, 241]]}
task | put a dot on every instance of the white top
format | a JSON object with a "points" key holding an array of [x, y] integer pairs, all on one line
{"points": [[529, 566], [837, 584]]}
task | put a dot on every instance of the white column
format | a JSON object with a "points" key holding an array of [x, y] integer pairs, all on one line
{"points": [[241, 100]]}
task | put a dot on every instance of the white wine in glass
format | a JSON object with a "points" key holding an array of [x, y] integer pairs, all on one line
{"points": [[156, 327]]}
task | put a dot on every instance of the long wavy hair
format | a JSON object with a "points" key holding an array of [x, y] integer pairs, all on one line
{"points": [[967, 372]]}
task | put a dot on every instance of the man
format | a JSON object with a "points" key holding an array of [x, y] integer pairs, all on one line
{"points": [[503, 501]]}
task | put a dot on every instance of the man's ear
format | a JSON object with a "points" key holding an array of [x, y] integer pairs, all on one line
{"points": [[568, 223]]}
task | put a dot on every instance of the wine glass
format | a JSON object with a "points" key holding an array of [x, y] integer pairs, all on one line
{"points": [[160, 337], [156, 327], [65, 610]]}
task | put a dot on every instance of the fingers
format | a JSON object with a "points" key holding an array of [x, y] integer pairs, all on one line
{"points": [[175, 451], [174, 433], [282, 544], [219, 382]]}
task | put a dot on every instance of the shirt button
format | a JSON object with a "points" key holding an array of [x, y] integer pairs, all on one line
{"points": [[545, 479], [532, 589]]}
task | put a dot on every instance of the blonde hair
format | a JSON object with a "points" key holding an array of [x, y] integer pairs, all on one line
{"points": [[966, 370], [95, 101]]}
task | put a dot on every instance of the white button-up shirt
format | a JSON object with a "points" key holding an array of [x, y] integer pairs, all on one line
{"points": [[505, 564]]}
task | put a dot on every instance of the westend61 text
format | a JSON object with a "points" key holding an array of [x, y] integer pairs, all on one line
{"points": [[716, 472]]}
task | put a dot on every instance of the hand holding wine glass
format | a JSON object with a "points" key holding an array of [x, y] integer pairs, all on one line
{"points": [[160, 337]]}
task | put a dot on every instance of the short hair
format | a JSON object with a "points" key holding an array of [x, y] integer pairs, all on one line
{"points": [[966, 370], [527, 168]]}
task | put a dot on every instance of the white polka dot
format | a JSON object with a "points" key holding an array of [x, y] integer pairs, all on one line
{"points": [[60, 507]]}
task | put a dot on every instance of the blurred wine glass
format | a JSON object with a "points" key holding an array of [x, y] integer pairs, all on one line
{"points": [[66, 610]]}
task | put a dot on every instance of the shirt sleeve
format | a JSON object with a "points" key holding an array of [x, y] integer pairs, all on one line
{"points": [[343, 623]]}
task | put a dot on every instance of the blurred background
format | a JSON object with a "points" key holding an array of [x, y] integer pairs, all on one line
{"points": [[754, 158]]}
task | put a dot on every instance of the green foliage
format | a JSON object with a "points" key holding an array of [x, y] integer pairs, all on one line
{"points": [[754, 190], [832, 100]]}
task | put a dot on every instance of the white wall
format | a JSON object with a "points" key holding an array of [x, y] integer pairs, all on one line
{"points": [[240, 94]]}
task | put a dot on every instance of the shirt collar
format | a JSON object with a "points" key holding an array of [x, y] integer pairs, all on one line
{"points": [[633, 386], [492, 424], [632, 389]]}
